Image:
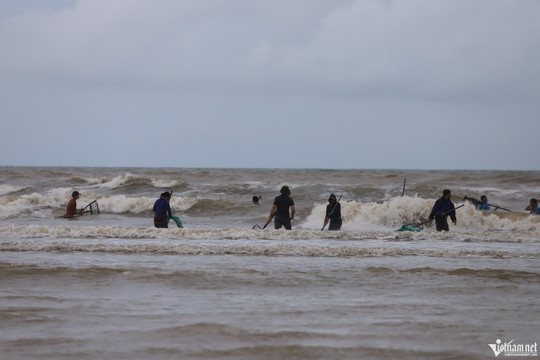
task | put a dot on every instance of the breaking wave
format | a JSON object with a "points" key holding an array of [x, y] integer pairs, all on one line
{"points": [[255, 250], [357, 216]]}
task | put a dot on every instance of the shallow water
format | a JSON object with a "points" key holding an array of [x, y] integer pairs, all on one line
{"points": [[112, 286]]}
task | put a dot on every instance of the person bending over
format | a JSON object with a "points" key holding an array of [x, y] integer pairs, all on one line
{"points": [[161, 209]]}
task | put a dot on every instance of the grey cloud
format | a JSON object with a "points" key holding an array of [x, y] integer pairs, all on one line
{"points": [[398, 73]]}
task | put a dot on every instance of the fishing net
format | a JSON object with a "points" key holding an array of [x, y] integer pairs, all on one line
{"points": [[416, 227], [176, 219], [410, 227], [92, 208]]}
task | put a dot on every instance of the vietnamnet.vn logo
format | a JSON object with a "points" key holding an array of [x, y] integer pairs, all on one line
{"points": [[511, 349]]}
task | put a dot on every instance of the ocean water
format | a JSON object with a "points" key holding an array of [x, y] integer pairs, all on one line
{"points": [[110, 286]]}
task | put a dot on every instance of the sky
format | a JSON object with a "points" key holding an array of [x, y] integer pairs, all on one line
{"points": [[341, 84]]}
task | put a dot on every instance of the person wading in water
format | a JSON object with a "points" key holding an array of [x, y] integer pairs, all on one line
{"points": [[443, 208], [280, 210]]}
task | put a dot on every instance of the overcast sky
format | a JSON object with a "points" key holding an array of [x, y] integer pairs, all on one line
{"points": [[354, 84]]}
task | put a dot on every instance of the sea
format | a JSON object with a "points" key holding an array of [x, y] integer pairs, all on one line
{"points": [[109, 285]]}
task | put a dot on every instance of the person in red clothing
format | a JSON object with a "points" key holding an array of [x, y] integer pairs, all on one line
{"points": [[71, 209]]}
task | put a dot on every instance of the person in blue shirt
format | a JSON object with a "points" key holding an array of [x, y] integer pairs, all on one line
{"points": [[161, 209], [533, 207], [443, 208], [484, 204]]}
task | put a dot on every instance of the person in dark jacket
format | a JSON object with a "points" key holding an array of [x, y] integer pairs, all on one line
{"points": [[443, 208], [280, 210], [161, 209], [333, 214]]}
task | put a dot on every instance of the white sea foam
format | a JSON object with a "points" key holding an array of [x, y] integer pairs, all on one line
{"points": [[118, 181], [128, 232], [165, 184], [357, 216], [10, 206], [122, 180], [375, 216], [6, 189], [58, 198], [95, 181], [255, 184], [120, 204], [242, 248]]}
